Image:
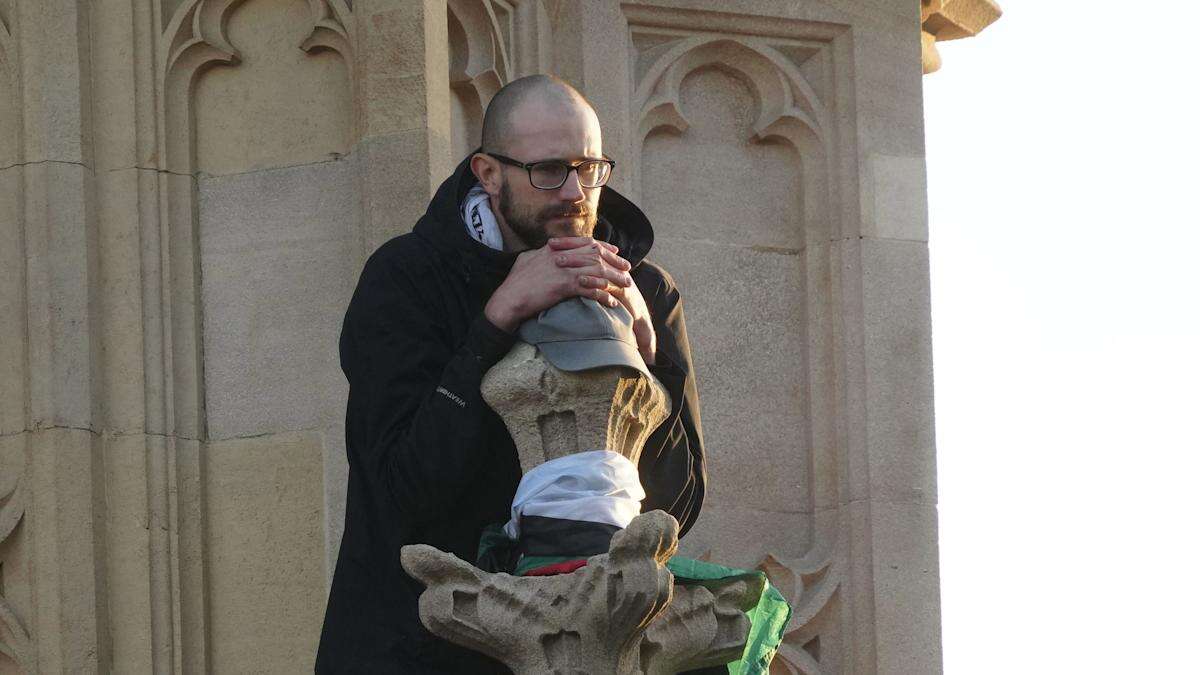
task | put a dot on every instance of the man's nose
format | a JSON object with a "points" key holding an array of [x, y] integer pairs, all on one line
{"points": [[572, 189]]}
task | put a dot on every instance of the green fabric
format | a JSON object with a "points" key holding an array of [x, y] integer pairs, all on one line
{"points": [[768, 619], [532, 562], [497, 553]]}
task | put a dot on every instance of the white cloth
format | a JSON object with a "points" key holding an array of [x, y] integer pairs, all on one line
{"points": [[481, 222], [598, 486]]}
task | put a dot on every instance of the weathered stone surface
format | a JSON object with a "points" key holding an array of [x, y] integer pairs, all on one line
{"points": [[551, 413], [899, 197], [741, 536], [899, 371], [903, 574], [58, 281], [265, 551], [621, 613], [750, 355], [279, 259], [13, 331]]}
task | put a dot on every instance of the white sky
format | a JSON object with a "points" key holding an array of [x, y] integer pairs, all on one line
{"points": [[1064, 168]]}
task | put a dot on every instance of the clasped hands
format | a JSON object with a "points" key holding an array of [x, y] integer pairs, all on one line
{"points": [[568, 267]]}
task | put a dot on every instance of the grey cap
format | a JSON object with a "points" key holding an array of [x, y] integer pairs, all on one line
{"points": [[580, 333]]}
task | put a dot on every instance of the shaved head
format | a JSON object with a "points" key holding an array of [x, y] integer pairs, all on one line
{"points": [[547, 91]]}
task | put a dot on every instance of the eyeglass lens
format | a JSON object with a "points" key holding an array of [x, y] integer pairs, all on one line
{"points": [[551, 175]]}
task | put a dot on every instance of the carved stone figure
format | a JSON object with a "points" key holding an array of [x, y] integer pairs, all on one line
{"points": [[622, 611]]}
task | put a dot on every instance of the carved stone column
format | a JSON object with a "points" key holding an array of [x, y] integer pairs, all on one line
{"points": [[622, 612], [552, 413]]}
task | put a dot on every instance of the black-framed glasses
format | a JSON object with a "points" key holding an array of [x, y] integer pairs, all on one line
{"points": [[550, 174]]}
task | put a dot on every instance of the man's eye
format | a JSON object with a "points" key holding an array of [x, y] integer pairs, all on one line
{"points": [[549, 172]]}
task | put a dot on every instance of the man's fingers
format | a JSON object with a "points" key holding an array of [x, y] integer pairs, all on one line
{"points": [[567, 243], [577, 259], [591, 258], [592, 281], [596, 289], [646, 339], [615, 260], [615, 277]]}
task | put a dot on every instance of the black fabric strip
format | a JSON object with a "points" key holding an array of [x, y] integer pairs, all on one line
{"points": [[541, 535]]}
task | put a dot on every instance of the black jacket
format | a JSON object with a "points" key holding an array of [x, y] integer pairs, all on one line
{"points": [[430, 462]]}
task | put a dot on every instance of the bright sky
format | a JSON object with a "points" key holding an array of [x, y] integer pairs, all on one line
{"points": [[1064, 167]]}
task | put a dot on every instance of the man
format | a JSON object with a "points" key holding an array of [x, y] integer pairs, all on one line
{"points": [[433, 311]]}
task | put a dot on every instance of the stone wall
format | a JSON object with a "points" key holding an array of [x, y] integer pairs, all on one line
{"points": [[189, 188]]}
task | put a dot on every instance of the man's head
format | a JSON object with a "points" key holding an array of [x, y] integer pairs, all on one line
{"points": [[529, 120]]}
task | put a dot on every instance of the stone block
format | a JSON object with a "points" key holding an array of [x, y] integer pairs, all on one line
{"points": [[899, 371], [13, 331], [265, 552], [127, 552], [61, 503], [336, 479], [114, 74], [907, 611], [899, 197], [279, 259], [730, 534], [53, 48], [404, 55], [395, 188], [746, 323], [60, 276], [120, 322], [10, 118]]}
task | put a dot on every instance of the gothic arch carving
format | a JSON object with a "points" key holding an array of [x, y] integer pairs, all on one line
{"points": [[809, 585], [783, 108], [6, 43], [485, 66], [480, 64], [14, 639], [196, 33], [789, 109], [788, 106], [196, 38]]}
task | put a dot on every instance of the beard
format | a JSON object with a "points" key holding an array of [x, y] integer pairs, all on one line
{"points": [[531, 226]]}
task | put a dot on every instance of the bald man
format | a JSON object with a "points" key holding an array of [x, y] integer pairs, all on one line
{"points": [[522, 224]]}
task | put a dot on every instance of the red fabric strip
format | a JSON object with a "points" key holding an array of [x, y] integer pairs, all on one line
{"points": [[565, 567]]}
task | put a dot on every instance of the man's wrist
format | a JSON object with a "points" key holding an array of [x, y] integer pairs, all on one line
{"points": [[500, 315]]}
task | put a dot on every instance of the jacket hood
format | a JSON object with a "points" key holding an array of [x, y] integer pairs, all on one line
{"points": [[619, 222]]}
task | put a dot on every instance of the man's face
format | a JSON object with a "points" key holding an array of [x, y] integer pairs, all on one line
{"points": [[541, 132]]}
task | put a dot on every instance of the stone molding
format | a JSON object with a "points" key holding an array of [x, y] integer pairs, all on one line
{"points": [[952, 20]]}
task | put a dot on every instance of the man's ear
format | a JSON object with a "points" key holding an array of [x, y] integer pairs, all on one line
{"points": [[487, 170]]}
